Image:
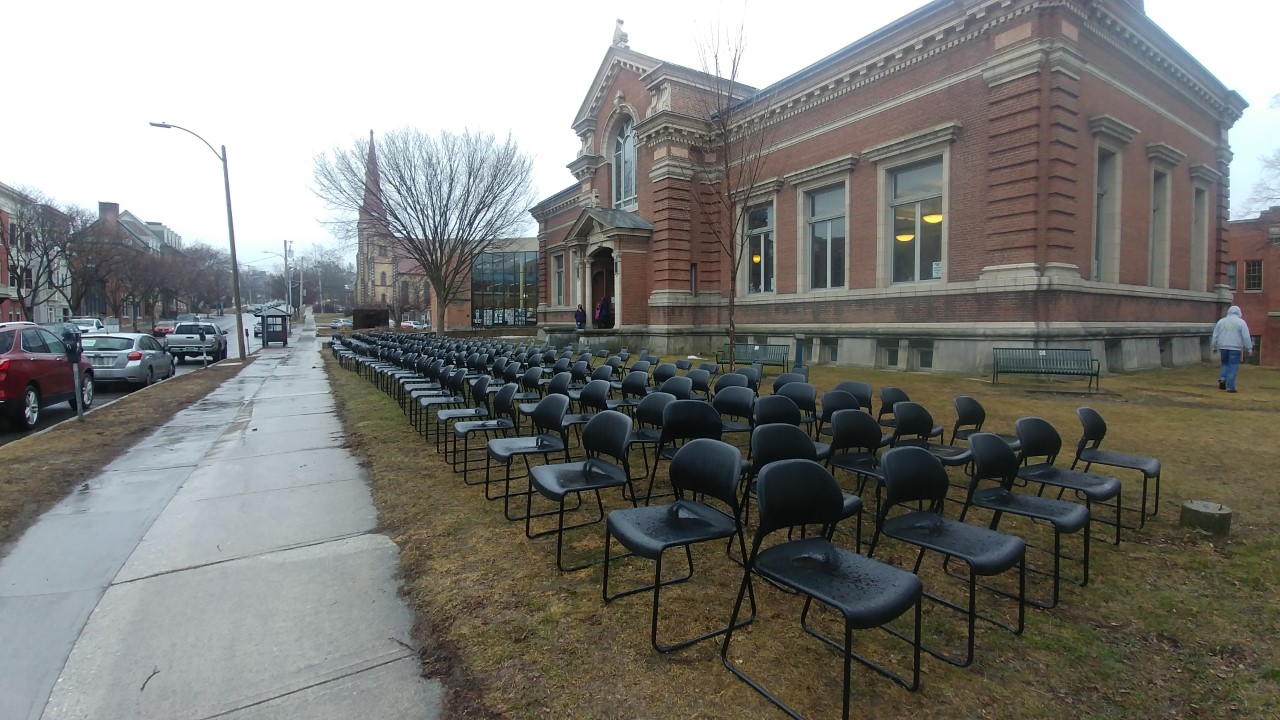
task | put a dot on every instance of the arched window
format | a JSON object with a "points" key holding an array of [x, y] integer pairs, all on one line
{"points": [[624, 164]]}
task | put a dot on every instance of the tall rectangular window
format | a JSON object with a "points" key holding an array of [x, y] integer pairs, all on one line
{"points": [[1231, 276], [1199, 239], [693, 279], [915, 211], [1252, 275], [557, 278], [1106, 217], [826, 237], [760, 248], [1158, 257]]}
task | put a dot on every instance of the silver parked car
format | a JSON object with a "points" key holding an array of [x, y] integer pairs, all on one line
{"points": [[136, 358]]}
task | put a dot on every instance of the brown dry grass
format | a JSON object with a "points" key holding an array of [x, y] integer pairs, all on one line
{"points": [[1171, 625], [40, 470]]}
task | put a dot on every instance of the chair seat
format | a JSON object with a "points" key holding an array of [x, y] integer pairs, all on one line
{"points": [[731, 426], [555, 481], [867, 592], [503, 449], [859, 463], [1094, 487], [1067, 517], [950, 455], [462, 428], [648, 531], [478, 412], [987, 552], [441, 400], [575, 419], [1148, 466], [822, 450], [1011, 440]]}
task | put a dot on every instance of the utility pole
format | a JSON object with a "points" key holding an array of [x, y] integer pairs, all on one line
{"points": [[301, 313], [288, 277]]}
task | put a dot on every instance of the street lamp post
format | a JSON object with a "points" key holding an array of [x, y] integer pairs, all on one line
{"points": [[231, 231]]}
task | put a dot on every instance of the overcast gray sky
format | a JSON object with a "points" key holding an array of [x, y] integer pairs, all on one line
{"points": [[279, 82]]}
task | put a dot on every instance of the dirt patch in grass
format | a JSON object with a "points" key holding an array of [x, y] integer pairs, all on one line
{"points": [[40, 470], [1170, 625]]}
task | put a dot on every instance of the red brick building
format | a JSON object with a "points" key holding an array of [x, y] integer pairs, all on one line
{"points": [[979, 173], [1253, 272]]}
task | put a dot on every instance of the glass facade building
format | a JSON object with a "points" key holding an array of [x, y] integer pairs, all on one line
{"points": [[504, 289]]}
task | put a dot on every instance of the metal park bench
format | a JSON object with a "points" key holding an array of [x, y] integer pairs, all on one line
{"points": [[750, 353], [1045, 361]]}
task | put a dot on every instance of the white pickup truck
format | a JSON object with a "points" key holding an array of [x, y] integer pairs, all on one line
{"points": [[185, 341]]}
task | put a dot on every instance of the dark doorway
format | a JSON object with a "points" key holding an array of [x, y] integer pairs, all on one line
{"points": [[604, 311]]}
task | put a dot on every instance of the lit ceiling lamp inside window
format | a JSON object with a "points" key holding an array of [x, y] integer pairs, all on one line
{"points": [[905, 237], [932, 218]]}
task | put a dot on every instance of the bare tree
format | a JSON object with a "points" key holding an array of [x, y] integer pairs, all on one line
{"points": [[1266, 192], [730, 162], [38, 253], [439, 200]]}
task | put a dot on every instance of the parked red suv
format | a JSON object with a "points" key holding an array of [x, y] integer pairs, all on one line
{"points": [[35, 373]]}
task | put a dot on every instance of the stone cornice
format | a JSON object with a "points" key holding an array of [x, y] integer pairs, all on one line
{"points": [[763, 189], [1112, 129], [565, 199], [937, 135], [1202, 173], [845, 164], [1167, 154], [584, 166], [616, 59], [672, 127]]}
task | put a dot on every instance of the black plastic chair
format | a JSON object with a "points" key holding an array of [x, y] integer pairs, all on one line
{"points": [[548, 437], [782, 409], [861, 391], [970, 417], [890, 396], [702, 468], [735, 402], [865, 592], [479, 409], [912, 475], [1040, 440], [729, 380], [663, 373], [701, 383], [856, 439], [1088, 452], [605, 441], [913, 425], [805, 397], [994, 460], [682, 421], [834, 401], [502, 422], [678, 385], [783, 441], [713, 369], [648, 431], [787, 377]]}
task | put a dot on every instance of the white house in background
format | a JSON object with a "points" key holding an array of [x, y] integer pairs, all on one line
{"points": [[41, 274]]}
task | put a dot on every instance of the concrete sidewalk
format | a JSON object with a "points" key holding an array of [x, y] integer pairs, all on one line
{"points": [[226, 566]]}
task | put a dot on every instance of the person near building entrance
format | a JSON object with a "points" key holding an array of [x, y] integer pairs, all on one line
{"points": [[595, 316], [580, 317], [605, 320], [1231, 338]]}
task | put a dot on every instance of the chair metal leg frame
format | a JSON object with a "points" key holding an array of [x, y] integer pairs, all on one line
{"points": [[560, 528], [1141, 509], [972, 612], [1056, 575], [1118, 505], [846, 650], [659, 583], [507, 494], [464, 459]]}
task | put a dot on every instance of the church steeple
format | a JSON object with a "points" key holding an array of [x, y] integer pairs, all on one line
{"points": [[372, 204]]}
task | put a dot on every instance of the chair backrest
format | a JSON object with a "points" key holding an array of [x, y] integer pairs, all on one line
{"points": [[735, 401], [855, 430], [803, 394], [640, 366], [663, 372], [635, 384], [834, 401], [511, 373], [689, 419], [969, 412], [504, 401], [650, 409], [1095, 428], [579, 371], [596, 395], [701, 380], [684, 364], [787, 377], [480, 392], [559, 384], [779, 441], [913, 422], [678, 385], [561, 365], [730, 380], [607, 433], [712, 369], [708, 467], [993, 459], [548, 415], [890, 396], [752, 374], [776, 409], [614, 363], [796, 492], [1037, 438], [499, 364], [531, 378], [604, 372], [458, 381], [912, 474]]}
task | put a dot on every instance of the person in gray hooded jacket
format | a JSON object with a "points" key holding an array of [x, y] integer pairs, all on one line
{"points": [[1231, 337]]}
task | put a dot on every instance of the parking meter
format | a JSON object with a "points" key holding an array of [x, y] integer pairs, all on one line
{"points": [[71, 341], [204, 352]]}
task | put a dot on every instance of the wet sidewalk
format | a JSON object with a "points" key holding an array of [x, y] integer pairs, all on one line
{"points": [[226, 566]]}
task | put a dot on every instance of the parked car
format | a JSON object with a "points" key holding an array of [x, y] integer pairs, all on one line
{"points": [[257, 328], [35, 373], [135, 358], [411, 325], [339, 324], [185, 341], [187, 317], [88, 325], [163, 327], [62, 328]]}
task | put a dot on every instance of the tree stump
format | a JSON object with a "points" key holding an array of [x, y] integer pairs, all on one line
{"points": [[1211, 517]]}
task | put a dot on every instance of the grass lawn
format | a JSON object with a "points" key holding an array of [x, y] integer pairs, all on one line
{"points": [[1172, 624]]}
